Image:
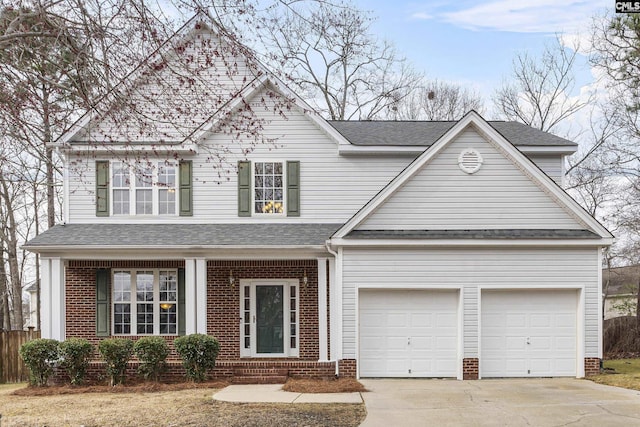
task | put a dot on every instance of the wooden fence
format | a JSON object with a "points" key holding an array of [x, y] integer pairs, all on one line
{"points": [[12, 370]]}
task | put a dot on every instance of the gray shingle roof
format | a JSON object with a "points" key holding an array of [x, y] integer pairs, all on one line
{"points": [[415, 133], [163, 235], [473, 234]]}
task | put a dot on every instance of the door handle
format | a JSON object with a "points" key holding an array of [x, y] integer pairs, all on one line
{"points": [[254, 318], [528, 340], [408, 340]]}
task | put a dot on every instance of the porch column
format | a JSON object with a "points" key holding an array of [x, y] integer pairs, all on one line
{"points": [[201, 295], [53, 303], [190, 295], [322, 310], [335, 274], [45, 297]]}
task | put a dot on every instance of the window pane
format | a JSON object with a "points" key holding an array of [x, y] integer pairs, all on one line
{"points": [[122, 318], [122, 286], [144, 319], [168, 318], [167, 201], [120, 175], [268, 191], [166, 175], [144, 177], [168, 286], [120, 202], [144, 202], [144, 285]]}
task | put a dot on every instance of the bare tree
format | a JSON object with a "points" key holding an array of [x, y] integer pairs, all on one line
{"points": [[437, 100], [329, 53], [539, 91]]}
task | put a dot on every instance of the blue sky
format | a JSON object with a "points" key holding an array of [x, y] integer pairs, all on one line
{"points": [[473, 42]]}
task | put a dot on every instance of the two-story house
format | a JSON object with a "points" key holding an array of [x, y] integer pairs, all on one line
{"points": [[362, 249]]}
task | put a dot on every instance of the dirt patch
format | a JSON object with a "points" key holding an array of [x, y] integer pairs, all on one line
{"points": [[340, 385], [188, 407]]}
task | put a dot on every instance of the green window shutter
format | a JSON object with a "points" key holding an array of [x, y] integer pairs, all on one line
{"points": [[182, 316], [102, 303], [186, 188], [244, 188], [102, 188], [293, 188]]}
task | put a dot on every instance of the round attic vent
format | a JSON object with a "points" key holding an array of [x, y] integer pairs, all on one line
{"points": [[470, 161]]}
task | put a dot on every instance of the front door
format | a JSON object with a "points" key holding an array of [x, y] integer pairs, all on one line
{"points": [[269, 318]]}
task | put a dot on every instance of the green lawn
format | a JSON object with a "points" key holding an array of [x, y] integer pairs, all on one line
{"points": [[626, 373]]}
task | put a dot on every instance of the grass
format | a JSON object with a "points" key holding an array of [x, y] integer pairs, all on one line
{"points": [[149, 405], [341, 385], [620, 373]]}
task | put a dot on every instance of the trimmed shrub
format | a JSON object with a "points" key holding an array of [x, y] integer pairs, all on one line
{"points": [[40, 356], [75, 354], [152, 353], [198, 353], [116, 352]]}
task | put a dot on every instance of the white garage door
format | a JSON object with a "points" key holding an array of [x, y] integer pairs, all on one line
{"points": [[528, 333], [408, 333]]}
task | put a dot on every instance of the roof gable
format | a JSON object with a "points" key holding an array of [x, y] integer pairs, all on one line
{"points": [[379, 212]]}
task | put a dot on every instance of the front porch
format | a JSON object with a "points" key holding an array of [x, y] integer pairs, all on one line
{"points": [[270, 316]]}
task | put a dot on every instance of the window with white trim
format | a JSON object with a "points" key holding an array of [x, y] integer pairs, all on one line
{"points": [[144, 189], [268, 193], [145, 302]]}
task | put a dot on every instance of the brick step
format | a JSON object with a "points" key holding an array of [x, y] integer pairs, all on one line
{"points": [[278, 372], [259, 379]]}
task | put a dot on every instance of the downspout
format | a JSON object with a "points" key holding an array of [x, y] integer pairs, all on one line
{"points": [[335, 256]]}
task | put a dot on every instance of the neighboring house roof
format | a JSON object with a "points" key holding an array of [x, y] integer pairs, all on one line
{"points": [[621, 280], [181, 235], [424, 134], [472, 234], [495, 138], [31, 287]]}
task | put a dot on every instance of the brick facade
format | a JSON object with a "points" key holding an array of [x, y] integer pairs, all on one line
{"points": [[223, 311], [470, 368], [591, 366], [223, 301], [347, 368]]}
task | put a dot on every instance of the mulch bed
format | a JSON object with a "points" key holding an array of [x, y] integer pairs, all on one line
{"points": [[340, 385], [139, 387]]}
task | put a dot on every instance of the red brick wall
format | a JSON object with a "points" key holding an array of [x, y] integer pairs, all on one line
{"points": [[223, 302], [470, 369], [347, 368], [591, 366], [80, 293]]}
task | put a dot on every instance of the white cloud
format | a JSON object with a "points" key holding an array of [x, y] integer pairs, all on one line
{"points": [[525, 16], [421, 15]]}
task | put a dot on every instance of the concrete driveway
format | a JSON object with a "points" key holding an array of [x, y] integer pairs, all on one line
{"points": [[500, 402]]}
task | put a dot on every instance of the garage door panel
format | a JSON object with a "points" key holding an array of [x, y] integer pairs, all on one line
{"points": [[422, 344], [536, 337]]}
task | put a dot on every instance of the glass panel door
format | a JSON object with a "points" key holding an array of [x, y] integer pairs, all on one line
{"points": [[270, 319]]}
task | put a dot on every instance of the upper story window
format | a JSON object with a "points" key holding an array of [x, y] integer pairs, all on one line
{"points": [[269, 188], [144, 189]]}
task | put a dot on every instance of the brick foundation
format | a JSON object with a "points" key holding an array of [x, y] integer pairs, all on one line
{"points": [[470, 368], [224, 370], [347, 368], [591, 366]]}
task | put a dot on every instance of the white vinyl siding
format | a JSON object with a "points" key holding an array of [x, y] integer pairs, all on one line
{"points": [[470, 269], [498, 196], [332, 187], [552, 165]]}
